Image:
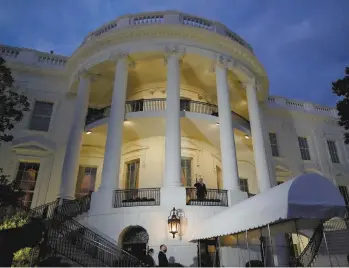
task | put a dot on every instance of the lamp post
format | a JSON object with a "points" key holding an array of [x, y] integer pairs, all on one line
{"points": [[173, 222]]}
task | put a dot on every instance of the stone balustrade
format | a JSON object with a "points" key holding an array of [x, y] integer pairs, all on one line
{"points": [[32, 57], [299, 105], [167, 17]]}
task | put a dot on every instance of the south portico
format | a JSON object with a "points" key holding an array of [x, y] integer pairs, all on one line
{"points": [[171, 178]]}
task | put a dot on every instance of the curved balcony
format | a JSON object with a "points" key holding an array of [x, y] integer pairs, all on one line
{"points": [[166, 18], [145, 105]]}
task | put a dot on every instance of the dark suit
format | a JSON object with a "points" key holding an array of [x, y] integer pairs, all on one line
{"points": [[163, 262], [201, 190]]}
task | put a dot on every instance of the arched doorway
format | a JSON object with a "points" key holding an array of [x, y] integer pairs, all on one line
{"points": [[134, 240]]}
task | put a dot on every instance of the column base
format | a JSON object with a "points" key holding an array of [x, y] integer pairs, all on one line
{"points": [[101, 201], [173, 197], [236, 196]]}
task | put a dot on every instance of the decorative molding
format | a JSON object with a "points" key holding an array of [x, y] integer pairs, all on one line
{"points": [[116, 56], [225, 61]]}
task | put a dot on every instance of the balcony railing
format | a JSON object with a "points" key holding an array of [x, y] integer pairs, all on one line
{"points": [[213, 197], [146, 105], [136, 197]]}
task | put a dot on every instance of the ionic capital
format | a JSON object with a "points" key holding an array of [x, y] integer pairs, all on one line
{"points": [[116, 56], [174, 51], [84, 73], [224, 61], [252, 83]]}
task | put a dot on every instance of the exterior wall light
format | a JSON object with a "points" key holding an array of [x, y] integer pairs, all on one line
{"points": [[217, 123], [174, 222], [247, 137], [88, 132]]}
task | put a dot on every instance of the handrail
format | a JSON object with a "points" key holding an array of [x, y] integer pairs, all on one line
{"points": [[309, 253], [61, 222], [160, 104]]}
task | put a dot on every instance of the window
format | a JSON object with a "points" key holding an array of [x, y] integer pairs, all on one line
{"points": [[26, 177], [274, 144], [132, 174], [186, 171], [304, 148], [333, 151], [244, 185], [41, 116], [344, 191], [86, 181]]}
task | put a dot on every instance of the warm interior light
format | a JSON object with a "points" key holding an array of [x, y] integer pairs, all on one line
{"points": [[88, 132], [173, 222], [247, 137]]}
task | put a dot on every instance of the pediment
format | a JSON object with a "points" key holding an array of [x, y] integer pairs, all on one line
{"points": [[35, 145]]}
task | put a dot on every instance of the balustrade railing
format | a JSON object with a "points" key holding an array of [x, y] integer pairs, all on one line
{"points": [[136, 197], [213, 197], [145, 105]]}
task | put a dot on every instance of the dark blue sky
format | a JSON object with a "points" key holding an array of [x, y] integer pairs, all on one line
{"points": [[303, 44]]}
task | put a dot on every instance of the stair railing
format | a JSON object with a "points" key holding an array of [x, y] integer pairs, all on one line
{"points": [[306, 258]]}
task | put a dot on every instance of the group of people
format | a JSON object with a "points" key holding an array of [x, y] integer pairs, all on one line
{"points": [[162, 258]]}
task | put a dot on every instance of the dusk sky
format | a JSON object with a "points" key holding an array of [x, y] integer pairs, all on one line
{"points": [[303, 44]]}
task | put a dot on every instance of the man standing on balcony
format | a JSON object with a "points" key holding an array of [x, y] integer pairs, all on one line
{"points": [[201, 190]]}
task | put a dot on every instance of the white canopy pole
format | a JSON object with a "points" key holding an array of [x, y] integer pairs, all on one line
{"points": [[248, 249], [271, 245]]}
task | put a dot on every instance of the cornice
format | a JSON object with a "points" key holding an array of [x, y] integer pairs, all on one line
{"points": [[35, 69], [221, 44]]}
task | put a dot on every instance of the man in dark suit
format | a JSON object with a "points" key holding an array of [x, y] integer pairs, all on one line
{"points": [[163, 262], [201, 190]]}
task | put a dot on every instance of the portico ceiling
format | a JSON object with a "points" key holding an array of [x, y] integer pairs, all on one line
{"points": [[146, 127], [149, 69]]}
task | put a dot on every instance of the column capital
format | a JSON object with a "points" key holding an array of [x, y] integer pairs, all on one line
{"points": [[253, 83], [84, 73], [224, 61], [174, 51], [116, 56]]}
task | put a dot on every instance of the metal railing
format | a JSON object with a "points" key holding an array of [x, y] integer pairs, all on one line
{"points": [[145, 105], [136, 197], [213, 197], [307, 256]]}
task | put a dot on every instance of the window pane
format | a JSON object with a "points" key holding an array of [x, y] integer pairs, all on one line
{"points": [[273, 144], [86, 181], [244, 185], [304, 149], [186, 171], [26, 177], [132, 174], [41, 116], [333, 151]]}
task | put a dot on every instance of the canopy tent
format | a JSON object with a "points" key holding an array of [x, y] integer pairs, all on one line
{"points": [[308, 196]]}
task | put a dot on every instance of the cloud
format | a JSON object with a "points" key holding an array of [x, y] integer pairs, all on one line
{"points": [[302, 44]]}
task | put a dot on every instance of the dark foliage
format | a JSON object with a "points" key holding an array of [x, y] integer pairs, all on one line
{"points": [[10, 193], [12, 104], [341, 89]]}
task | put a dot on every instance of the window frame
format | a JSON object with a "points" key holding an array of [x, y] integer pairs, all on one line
{"points": [[336, 156], [133, 160], [77, 179], [32, 115], [33, 191], [304, 150], [191, 170], [243, 183], [274, 146]]}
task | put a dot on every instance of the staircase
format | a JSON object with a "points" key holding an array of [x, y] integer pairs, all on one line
{"points": [[337, 238], [67, 238]]}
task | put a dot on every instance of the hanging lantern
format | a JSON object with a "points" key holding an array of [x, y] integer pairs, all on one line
{"points": [[173, 222]]}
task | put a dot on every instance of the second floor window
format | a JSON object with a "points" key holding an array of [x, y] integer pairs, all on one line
{"points": [[344, 191], [333, 151], [132, 174], [41, 116], [86, 181], [304, 148], [244, 185], [274, 144], [186, 171]]}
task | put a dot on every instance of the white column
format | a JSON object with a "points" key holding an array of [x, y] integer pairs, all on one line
{"points": [[172, 174], [260, 156], [72, 155], [112, 155], [226, 131]]}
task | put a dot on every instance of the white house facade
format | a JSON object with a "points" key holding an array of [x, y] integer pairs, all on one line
{"points": [[147, 105]]}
